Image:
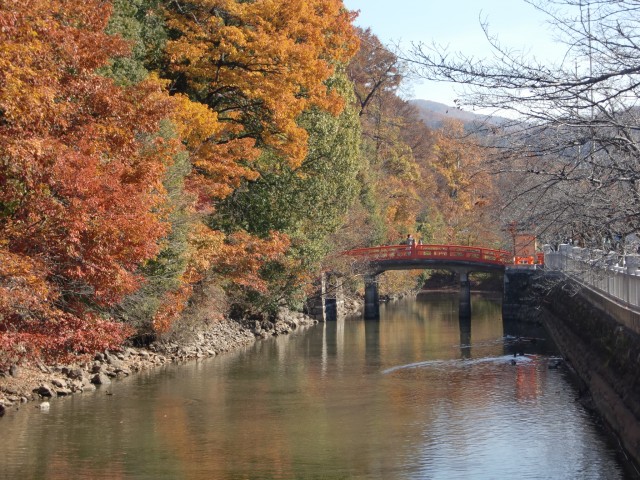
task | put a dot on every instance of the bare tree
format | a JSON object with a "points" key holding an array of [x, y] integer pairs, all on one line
{"points": [[570, 161]]}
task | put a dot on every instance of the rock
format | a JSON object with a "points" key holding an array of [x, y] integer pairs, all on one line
{"points": [[99, 357], [87, 386], [44, 406], [43, 368], [100, 379], [77, 385], [63, 392], [14, 371], [58, 383], [96, 368], [115, 363], [44, 390], [75, 373], [2, 410]]}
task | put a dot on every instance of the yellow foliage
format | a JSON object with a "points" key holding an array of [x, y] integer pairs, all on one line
{"points": [[262, 63], [195, 121]]}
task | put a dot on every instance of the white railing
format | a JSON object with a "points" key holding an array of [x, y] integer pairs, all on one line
{"points": [[610, 274]]}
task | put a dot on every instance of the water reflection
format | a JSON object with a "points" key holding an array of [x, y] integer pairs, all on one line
{"points": [[417, 394], [465, 336]]}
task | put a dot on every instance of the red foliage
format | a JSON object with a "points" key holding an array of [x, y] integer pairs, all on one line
{"points": [[62, 338], [80, 176]]}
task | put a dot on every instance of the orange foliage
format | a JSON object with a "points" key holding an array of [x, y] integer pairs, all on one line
{"points": [[173, 305], [257, 65], [464, 185], [82, 201], [244, 255], [30, 324], [238, 259], [79, 195]]}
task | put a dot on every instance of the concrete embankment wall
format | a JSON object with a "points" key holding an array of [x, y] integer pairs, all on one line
{"points": [[604, 353]]}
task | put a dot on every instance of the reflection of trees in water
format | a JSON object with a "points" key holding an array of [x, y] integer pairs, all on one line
{"points": [[276, 411]]}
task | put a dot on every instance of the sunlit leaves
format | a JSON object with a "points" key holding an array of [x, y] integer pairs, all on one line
{"points": [[80, 169], [260, 64]]}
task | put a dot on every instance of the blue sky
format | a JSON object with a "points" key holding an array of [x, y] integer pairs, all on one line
{"points": [[455, 23]]}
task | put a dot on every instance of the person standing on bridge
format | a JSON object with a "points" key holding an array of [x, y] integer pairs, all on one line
{"points": [[410, 242]]}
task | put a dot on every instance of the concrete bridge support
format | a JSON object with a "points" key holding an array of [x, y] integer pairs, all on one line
{"points": [[328, 303], [465, 295], [519, 300], [371, 298], [333, 297]]}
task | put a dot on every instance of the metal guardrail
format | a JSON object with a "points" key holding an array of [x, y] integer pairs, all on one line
{"points": [[609, 274]]}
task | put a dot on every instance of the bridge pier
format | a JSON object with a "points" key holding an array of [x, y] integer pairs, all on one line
{"points": [[519, 301], [459, 259], [328, 304], [464, 298], [371, 298]]}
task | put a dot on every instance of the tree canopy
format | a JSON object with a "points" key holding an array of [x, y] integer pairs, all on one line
{"points": [[568, 159], [154, 152]]}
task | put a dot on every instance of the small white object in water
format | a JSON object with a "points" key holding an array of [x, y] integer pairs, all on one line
{"points": [[44, 406]]}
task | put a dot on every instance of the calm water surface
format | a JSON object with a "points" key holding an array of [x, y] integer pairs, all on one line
{"points": [[418, 394]]}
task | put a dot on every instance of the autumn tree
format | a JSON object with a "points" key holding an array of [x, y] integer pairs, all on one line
{"points": [[374, 70], [307, 203], [464, 189], [81, 171], [257, 66], [243, 74]]}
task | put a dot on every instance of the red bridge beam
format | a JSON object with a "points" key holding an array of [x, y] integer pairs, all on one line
{"points": [[433, 252]]}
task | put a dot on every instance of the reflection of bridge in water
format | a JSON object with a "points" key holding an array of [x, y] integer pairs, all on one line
{"points": [[459, 259]]}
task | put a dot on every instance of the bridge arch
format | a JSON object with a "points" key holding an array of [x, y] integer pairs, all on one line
{"points": [[457, 258]]}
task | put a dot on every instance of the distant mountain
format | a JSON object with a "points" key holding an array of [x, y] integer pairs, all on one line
{"points": [[433, 114]]}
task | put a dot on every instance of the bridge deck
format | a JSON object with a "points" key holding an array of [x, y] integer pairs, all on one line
{"points": [[432, 253]]}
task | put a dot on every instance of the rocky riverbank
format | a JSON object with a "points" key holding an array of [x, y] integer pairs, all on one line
{"points": [[38, 382]]}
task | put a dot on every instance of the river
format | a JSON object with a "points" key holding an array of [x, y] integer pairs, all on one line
{"points": [[416, 395]]}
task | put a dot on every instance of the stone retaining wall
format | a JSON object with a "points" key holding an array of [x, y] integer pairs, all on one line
{"points": [[604, 354]]}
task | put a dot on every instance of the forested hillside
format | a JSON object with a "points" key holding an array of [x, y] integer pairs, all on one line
{"points": [[160, 157]]}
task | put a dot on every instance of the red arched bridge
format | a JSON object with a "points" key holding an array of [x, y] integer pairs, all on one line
{"points": [[457, 258], [396, 257]]}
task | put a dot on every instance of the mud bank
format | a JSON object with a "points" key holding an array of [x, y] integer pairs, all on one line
{"points": [[38, 382]]}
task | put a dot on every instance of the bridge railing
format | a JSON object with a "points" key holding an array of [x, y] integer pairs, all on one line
{"points": [[433, 252]]}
